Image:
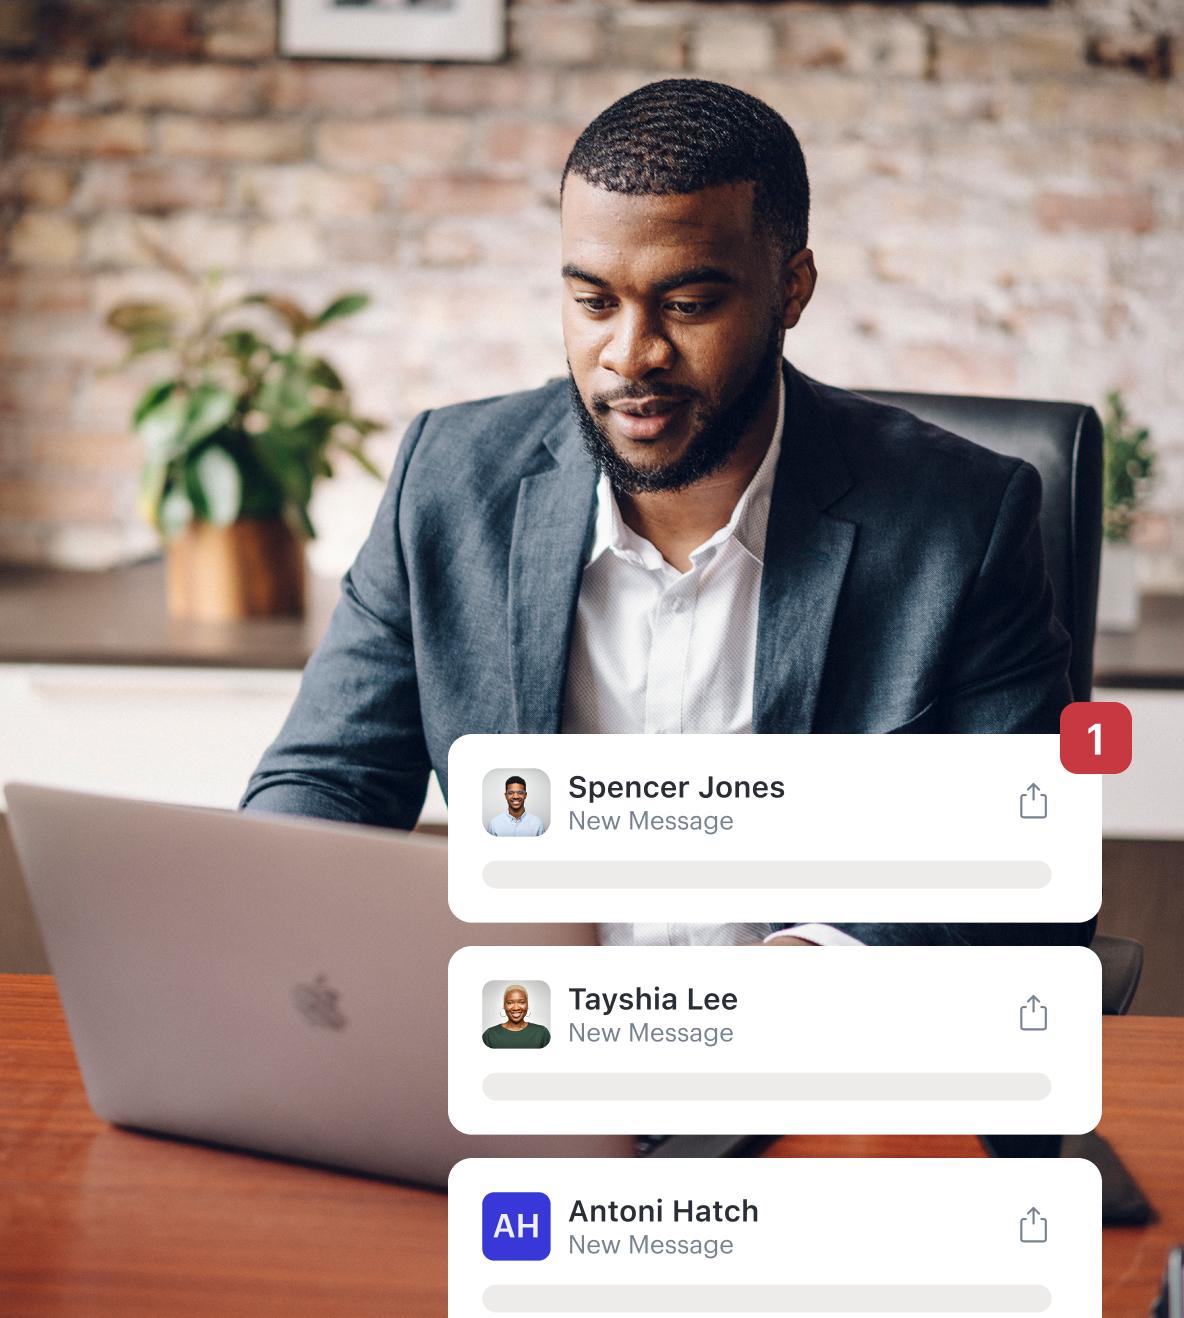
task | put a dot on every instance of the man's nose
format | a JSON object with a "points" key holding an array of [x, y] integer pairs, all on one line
{"points": [[636, 346]]}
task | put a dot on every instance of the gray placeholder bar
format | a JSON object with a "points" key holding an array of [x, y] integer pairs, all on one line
{"points": [[771, 1086], [767, 1299], [955, 875]]}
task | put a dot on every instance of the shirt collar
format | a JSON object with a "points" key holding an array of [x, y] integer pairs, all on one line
{"points": [[748, 524]]}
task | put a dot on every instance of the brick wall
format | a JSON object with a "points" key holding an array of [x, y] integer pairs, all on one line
{"points": [[999, 209]]}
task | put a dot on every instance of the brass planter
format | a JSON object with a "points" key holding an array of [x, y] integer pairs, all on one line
{"points": [[251, 569]]}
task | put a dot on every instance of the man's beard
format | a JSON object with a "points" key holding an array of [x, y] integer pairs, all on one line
{"points": [[716, 433]]}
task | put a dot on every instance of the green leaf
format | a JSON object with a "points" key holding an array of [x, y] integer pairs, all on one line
{"points": [[284, 394], [210, 407], [147, 326], [319, 372], [143, 344], [153, 479], [294, 315], [217, 475], [161, 428], [138, 318], [263, 495], [302, 443], [176, 512], [1128, 468], [290, 468], [300, 513], [348, 304], [242, 343], [152, 398]]}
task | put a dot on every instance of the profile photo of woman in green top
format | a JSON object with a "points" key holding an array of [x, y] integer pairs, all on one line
{"points": [[516, 1031]]}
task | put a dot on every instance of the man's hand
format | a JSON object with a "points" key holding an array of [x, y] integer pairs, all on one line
{"points": [[788, 940]]}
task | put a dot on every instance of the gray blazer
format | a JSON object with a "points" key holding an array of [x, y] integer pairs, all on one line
{"points": [[903, 590]]}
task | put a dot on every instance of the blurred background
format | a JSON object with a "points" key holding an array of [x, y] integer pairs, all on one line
{"points": [[998, 209]]}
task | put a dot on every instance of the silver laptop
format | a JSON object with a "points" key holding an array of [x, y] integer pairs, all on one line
{"points": [[273, 983]]}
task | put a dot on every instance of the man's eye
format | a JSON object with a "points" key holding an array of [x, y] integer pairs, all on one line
{"points": [[593, 303], [687, 308]]}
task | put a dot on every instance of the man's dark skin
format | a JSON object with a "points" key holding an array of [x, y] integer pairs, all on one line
{"points": [[652, 318], [516, 799], [676, 293]]}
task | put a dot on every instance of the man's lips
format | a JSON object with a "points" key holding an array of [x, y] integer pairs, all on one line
{"points": [[646, 406], [646, 418]]}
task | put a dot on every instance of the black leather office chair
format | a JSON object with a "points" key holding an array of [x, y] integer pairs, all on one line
{"points": [[1063, 441], [1122, 968]]}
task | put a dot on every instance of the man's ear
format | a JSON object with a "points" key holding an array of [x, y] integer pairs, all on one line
{"points": [[798, 277]]}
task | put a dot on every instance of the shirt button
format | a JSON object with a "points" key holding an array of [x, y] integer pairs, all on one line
{"points": [[678, 606]]}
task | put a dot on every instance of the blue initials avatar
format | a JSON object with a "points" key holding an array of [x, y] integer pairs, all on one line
{"points": [[516, 1225]]}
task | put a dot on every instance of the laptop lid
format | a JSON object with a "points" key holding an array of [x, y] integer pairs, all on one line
{"points": [[274, 983]]}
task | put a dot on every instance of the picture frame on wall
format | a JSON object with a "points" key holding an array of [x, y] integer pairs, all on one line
{"points": [[394, 29]]}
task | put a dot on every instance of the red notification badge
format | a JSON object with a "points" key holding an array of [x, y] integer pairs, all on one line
{"points": [[1096, 736]]}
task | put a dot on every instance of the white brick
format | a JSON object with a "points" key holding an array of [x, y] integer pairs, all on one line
{"points": [[733, 45]]}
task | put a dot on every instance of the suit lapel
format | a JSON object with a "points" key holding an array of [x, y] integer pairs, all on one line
{"points": [[806, 556], [552, 523]]}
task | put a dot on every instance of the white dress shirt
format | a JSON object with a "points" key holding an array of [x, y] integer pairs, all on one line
{"points": [[508, 825], [658, 650]]}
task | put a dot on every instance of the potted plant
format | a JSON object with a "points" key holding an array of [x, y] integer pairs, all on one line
{"points": [[235, 437], [1128, 466]]}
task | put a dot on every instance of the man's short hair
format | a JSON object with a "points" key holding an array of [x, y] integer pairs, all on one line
{"points": [[685, 134], [515, 779]]}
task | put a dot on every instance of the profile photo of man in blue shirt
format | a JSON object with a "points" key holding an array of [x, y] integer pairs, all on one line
{"points": [[515, 820]]}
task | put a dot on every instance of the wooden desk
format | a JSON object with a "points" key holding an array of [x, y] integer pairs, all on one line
{"points": [[1142, 1117], [95, 1221]]}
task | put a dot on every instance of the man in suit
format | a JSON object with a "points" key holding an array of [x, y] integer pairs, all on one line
{"points": [[687, 535], [515, 820]]}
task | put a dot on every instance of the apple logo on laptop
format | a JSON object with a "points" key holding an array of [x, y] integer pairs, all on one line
{"points": [[317, 1003]]}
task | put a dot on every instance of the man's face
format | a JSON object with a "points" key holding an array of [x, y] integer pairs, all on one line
{"points": [[515, 1006], [515, 798], [673, 316]]}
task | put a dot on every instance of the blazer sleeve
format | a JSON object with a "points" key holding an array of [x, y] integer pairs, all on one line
{"points": [[1008, 667], [1008, 673], [352, 747]]}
